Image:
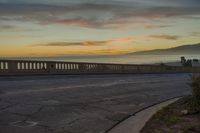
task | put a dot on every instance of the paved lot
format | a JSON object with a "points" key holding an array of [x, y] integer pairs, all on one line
{"points": [[81, 103]]}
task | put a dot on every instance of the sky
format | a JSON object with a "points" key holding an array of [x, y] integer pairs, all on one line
{"points": [[95, 27]]}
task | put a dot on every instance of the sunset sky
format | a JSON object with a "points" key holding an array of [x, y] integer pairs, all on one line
{"points": [[95, 27]]}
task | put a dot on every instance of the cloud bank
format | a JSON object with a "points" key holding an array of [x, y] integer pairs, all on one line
{"points": [[84, 43], [166, 37], [99, 15]]}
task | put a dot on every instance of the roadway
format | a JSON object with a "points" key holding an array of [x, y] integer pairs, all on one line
{"points": [[81, 103]]}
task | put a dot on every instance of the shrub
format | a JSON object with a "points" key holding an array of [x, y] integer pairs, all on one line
{"points": [[196, 88], [194, 103]]}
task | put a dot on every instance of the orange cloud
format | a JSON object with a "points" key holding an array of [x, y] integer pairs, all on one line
{"points": [[90, 43], [87, 43], [149, 26], [62, 44]]}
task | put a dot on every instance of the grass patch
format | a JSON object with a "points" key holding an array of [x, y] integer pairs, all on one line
{"points": [[166, 116], [171, 119]]}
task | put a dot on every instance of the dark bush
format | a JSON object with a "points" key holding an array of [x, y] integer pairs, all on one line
{"points": [[196, 88], [194, 103]]}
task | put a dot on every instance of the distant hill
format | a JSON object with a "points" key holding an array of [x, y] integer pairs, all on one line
{"points": [[185, 49]]}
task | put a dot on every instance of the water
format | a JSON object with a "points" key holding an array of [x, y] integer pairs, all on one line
{"points": [[124, 59]]}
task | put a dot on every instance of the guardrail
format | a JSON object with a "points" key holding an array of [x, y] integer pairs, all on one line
{"points": [[19, 67]]}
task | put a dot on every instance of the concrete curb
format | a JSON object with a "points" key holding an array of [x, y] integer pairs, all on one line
{"points": [[137, 121]]}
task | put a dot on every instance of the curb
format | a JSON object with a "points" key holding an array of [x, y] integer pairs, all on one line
{"points": [[119, 126]]}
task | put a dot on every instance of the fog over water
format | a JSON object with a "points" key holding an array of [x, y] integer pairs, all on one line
{"points": [[124, 59]]}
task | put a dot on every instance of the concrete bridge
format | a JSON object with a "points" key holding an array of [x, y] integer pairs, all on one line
{"points": [[19, 67]]}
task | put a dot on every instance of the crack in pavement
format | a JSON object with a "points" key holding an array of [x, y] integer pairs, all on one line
{"points": [[48, 128], [29, 115], [7, 107], [73, 121]]}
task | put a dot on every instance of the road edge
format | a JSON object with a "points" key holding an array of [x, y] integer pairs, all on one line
{"points": [[125, 125]]}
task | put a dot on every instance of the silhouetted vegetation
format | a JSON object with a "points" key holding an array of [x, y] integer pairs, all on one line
{"points": [[194, 104], [187, 63], [162, 64]]}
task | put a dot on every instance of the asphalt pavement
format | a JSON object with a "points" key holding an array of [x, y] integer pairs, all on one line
{"points": [[81, 103]]}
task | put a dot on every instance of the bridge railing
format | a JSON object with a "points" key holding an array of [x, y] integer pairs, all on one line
{"points": [[19, 67]]}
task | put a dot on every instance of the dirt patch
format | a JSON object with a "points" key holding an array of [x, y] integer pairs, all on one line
{"points": [[174, 119]]}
